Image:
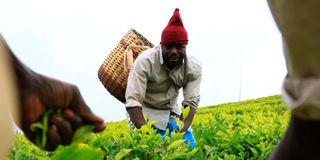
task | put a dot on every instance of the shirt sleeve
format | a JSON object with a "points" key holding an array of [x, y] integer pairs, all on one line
{"points": [[191, 91], [137, 83], [302, 96]]}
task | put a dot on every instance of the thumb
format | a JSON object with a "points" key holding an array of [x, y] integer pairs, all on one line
{"points": [[82, 109], [98, 121], [90, 117], [32, 110]]}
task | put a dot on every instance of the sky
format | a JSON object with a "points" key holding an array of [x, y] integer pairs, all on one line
{"points": [[237, 42]]}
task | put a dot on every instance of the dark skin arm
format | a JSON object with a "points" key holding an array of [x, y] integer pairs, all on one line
{"points": [[188, 121], [136, 116], [301, 141], [296, 22], [38, 93]]}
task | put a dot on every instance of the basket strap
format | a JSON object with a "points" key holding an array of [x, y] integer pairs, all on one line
{"points": [[185, 80], [128, 56]]}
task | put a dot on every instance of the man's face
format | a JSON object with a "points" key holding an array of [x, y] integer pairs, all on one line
{"points": [[173, 54]]}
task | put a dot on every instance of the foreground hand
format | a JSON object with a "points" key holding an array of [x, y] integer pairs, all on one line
{"points": [[45, 93], [39, 94]]}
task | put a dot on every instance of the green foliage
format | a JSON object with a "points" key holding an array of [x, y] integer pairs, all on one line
{"points": [[41, 127], [185, 112], [233, 131], [83, 133], [24, 149], [78, 151]]}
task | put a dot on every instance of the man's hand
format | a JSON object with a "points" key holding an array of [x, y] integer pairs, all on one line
{"points": [[188, 120], [38, 94], [136, 116], [50, 93]]}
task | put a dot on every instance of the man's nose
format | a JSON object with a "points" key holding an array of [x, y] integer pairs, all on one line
{"points": [[174, 51]]}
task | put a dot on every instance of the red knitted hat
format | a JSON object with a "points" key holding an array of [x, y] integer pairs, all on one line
{"points": [[174, 31]]}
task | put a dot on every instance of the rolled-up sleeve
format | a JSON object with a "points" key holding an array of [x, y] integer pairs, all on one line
{"points": [[302, 96], [191, 91], [137, 83]]}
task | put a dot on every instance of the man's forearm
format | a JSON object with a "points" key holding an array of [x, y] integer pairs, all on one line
{"points": [[188, 120], [136, 116], [23, 74], [301, 141]]}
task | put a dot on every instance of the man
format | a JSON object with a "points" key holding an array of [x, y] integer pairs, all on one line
{"points": [[33, 94], [156, 77], [298, 23]]}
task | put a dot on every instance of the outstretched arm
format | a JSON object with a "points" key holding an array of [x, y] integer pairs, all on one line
{"points": [[38, 93], [298, 23], [188, 120]]}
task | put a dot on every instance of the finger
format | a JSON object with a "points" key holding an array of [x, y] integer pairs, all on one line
{"points": [[54, 138], [64, 129], [99, 127], [91, 118], [80, 107], [32, 110], [73, 119]]}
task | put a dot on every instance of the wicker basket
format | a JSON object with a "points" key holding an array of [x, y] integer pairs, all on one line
{"points": [[114, 71]]}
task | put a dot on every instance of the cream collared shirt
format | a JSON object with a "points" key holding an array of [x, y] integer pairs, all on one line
{"points": [[8, 101], [155, 88]]}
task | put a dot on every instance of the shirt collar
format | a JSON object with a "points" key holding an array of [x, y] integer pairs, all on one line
{"points": [[161, 57]]}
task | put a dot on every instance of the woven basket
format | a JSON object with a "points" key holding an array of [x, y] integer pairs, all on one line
{"points": [[113, 73]]}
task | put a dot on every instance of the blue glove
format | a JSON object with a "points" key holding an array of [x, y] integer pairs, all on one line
{"points": [[172, 125], [189, 138]]}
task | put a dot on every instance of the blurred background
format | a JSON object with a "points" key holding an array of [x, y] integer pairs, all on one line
{"points": [[236, 41]]}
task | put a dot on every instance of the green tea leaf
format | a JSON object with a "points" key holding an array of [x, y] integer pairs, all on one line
{"points": [[194, 151], [122, 154], [144, 146], [36, 126], [175, 144], [253, 150], [230, 157], [185, 112], [41, 129], [82, 133]]}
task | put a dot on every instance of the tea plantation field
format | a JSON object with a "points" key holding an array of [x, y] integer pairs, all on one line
{"points": [[234, 131]]}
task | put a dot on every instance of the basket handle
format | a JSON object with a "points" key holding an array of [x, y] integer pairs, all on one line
{"points": [[128, 56]]}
